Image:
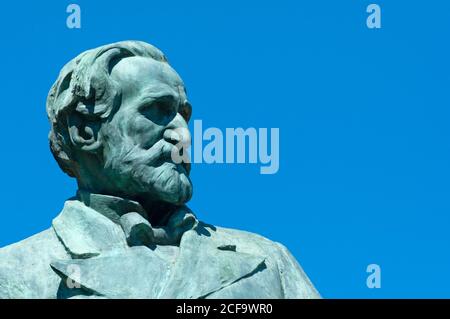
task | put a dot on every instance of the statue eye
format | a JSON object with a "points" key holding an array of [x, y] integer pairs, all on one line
{"points": [[186, 111], [161, 111]]}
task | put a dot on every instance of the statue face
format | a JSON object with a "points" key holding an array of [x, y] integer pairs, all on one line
{"points": [[139, 139]]}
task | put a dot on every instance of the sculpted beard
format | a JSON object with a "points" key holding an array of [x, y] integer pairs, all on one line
{"points": [[149, 173]]}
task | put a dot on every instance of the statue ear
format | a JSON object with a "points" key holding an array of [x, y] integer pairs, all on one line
{"points": [[84, 132]]}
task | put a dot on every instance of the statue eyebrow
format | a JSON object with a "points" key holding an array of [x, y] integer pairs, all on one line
{"points": [[160, 94], [148, 100]]}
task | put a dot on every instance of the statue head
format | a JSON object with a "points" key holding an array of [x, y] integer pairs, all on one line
{"points": [[117, 112]]}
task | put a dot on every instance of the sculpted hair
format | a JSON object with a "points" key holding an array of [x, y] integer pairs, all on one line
{"points": [[85, 90]]}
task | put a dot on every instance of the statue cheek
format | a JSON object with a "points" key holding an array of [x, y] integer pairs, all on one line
{"points": [[145, 133]]}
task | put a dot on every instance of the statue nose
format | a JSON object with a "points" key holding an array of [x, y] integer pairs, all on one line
{"points": [[181, 138], [177, 131], [172, 136]]}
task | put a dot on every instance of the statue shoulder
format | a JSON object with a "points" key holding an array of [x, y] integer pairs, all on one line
{"points": [[25, 266], [247, 241], [294, 280]]}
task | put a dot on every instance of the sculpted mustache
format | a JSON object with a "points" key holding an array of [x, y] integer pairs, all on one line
{"points": [[161, 151]]}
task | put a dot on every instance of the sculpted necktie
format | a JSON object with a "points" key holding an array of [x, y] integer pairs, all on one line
{"points": [[139, 231]]}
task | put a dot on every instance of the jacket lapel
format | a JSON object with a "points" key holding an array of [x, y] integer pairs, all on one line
{"points": [[105, 266], [134, 273], [203, 268], [86, 233]]}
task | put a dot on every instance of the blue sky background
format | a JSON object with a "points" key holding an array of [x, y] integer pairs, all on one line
{"points": [[363, 115]]}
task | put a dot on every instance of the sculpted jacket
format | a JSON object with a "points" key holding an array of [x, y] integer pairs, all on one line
{"points": [[90, 252]]}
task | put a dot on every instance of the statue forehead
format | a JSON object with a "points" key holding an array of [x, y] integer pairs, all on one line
{"points": [[137, 75]]}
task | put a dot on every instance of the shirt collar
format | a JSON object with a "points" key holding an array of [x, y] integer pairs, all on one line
{"points": [[109, 206], [93, 223]]}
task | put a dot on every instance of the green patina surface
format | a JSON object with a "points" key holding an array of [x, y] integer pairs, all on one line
{"points": [[118, 113]]}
